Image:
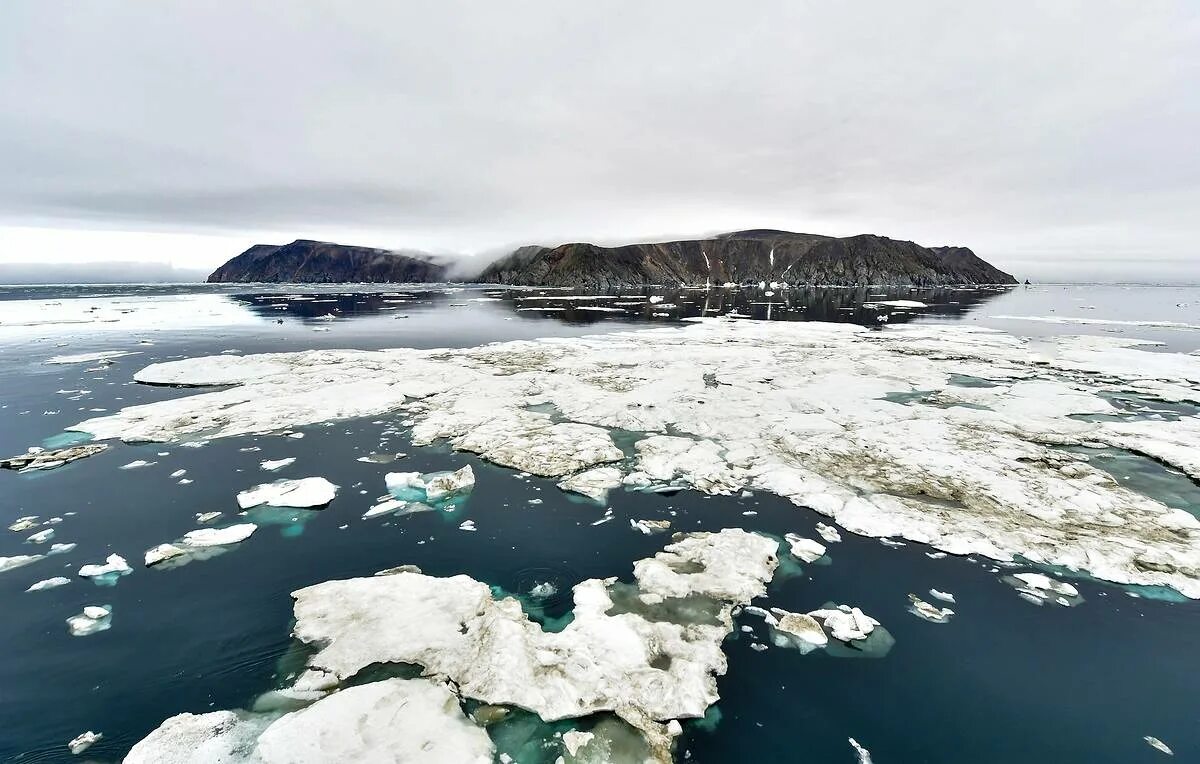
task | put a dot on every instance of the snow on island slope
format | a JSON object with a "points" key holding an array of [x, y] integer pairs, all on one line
{"points": [[867, 427], [648, 652]]}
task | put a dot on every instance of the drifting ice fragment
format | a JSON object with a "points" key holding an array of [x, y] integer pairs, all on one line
{"points": [[1158, 745], [84, 742], [305, 492], [94, 618], [49, 583], [932, 613], [829, 533], [864, 756], [805, 550], [41, 537], [649, 527], [943, 596], [270, 465], [108, 573]]}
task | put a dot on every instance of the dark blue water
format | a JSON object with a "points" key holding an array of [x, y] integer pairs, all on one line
{"points": [[1003, 682]]}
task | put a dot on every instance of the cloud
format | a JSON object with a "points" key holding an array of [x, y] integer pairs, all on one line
{"points": [[1064, 131]]}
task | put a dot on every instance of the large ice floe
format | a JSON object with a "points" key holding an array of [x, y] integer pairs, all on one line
{"points": [[947, 436], [647, 653]]}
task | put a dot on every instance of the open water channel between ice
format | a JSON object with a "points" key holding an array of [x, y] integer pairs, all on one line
{"points": [[1004, 680]]}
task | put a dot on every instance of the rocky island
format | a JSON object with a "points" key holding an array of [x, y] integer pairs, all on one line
{"points": [[732, 258], [306, 261]]}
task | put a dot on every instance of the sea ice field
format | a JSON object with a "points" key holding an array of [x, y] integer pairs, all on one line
{"points": [[305, 523]]}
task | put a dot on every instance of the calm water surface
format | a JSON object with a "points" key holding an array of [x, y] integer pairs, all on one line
{"points": [[1003, 682]]}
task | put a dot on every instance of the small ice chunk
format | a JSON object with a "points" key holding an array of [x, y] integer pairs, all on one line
{"points": [[943, 596], [467, 525], [385, 507], [41, 537], [864, 756], [61, 548], [108, 572], [442, 486], [305, 492], [543, 590], [805, 550], [270, 465], [803, 628], [233, 534], [207, 517], [935, 555], [829, 533], [845, 623], [136, 463], [24, 523], [84, 741], [162, 553], [49, 583], [93, 619], [574, 740], [178, 473], [1158, 745], [932, 613], [649, 527], [1043, 582]]}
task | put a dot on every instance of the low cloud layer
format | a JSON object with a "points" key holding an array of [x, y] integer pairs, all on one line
{"points": [[1057, 139]]}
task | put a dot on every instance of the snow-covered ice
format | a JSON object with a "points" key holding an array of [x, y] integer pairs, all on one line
{"points": [[808, 411], [305, 492], [84, 741]]}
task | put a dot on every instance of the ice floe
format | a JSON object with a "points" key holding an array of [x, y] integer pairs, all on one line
{"points": [[1158, 745], [866, 427], [437, 488], [1039, 589], [93, 619], [395, 720], [106, 356], [270, 465], [594, 483], [650, 527], [84, 741], [41, 459], [199, 544], [864, 756], [304, 492], [805, 550], [928, 612], [108, 572], [22, 524], [48, 583], [616, 655], [829, 533]]}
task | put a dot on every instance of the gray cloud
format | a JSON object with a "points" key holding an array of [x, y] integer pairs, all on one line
{"points": [[1061, 134]]}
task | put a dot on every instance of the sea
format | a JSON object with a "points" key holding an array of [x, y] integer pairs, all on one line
{"points": [[1004, 682]]}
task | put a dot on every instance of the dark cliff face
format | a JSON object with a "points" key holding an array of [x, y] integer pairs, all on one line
{"points": [[747, 256], [317, 261]]}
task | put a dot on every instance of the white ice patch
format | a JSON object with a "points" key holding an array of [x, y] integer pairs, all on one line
{"points": [[305, 492], [817, 413]]}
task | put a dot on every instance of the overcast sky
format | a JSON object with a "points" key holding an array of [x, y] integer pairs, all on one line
{"points": [[1061, 139]]}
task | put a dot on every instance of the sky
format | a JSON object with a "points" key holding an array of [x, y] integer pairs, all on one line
{"points": [[1057, 140]]}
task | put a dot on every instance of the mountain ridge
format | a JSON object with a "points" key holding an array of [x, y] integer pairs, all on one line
{"points": [[750, 256]]}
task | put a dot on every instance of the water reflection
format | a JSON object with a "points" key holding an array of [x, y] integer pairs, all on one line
{"points": [[864, 306]]}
